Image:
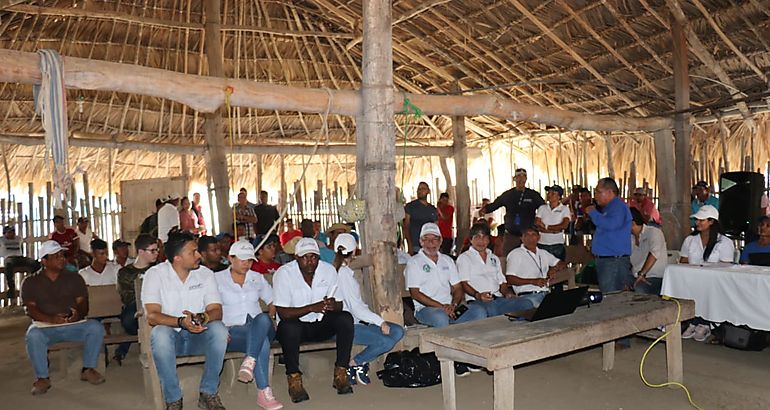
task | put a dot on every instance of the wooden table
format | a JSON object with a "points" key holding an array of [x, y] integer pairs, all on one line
{"points": [[499, 344]]}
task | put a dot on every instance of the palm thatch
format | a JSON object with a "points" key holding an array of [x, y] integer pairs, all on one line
{"points": [[609, 57]]}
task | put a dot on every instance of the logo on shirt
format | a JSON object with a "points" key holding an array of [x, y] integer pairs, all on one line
{"points": [[426, 268], [193, 287], [493, 261]]}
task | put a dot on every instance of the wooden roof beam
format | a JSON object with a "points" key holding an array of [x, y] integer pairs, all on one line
{"points": [[169, 24], [573, 53], [406, 15], [697, 47], [206, 94]]}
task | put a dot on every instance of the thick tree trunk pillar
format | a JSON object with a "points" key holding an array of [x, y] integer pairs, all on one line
{"points": [[682, 129], [376, 173], [463, 193], [674, 226], [216, 156]]}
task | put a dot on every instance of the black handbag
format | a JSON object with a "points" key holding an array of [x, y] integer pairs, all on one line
{"points": [[410, 368], [744, 337]]}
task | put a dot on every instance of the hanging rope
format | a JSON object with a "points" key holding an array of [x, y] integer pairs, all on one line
{"points": [[51, 104], [325, 133]]}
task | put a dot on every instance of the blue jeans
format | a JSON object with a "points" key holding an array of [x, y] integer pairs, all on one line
{"points": [[613, 273], [436, 317], [652, 289], [167, 344], [90, 332], [375, 341], [501, 306], [130, 325], [534, 298], [253, 338]]}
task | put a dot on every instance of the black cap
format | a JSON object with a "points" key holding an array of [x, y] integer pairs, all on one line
{"points": [[82, 219], [118, 243], [556, 188], [702, 184]]}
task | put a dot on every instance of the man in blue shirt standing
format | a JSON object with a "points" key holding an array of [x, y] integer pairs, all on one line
{"points": [[611, 243], [702, 197]]}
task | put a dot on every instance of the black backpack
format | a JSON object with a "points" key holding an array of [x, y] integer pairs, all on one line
{"points": [[410, 369]]}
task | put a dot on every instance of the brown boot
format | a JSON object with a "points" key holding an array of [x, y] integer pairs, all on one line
{"points": [[341, 382], [91, 376], [40, 386], [296, 390]]}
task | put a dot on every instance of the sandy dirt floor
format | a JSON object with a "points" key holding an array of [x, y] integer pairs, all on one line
{"points": [[718, 377]]}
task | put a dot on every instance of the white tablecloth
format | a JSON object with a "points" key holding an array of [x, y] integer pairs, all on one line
{"points": [[739, 294]]}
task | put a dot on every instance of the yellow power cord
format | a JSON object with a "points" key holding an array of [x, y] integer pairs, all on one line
{"points": [[663, 336]]}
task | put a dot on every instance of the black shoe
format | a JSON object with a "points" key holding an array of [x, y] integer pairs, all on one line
{"points": [[461, 369], [474, 369]]}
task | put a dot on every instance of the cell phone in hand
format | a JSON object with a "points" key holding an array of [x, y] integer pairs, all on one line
{"points": [[459, 310]]}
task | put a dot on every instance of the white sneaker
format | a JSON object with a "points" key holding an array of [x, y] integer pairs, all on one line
{"points": [[690, 332], [702, 332]]}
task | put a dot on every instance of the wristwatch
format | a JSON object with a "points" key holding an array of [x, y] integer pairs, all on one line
{"points": [[179, 321]]}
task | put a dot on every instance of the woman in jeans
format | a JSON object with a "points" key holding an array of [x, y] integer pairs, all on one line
{"points": [[251, 330], [370, 329]]}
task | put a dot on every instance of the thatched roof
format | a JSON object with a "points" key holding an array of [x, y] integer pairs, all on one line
{"points": [[589, 56]]}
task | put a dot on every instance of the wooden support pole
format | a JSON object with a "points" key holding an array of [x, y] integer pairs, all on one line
{"points": [[675, 225], [87, 194], [29, 235], [377, 177], [216, 158], [462, 206], [681, 194], [259, 160]]}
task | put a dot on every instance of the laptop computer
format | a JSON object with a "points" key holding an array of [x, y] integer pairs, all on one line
{"points": [[759, 259], [554, 304]]}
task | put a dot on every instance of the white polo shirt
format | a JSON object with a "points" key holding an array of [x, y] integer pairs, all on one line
{"points": [[238, 301], [692, 249], [109, 275], [651, 241], [483, 276], [162, 286], [434, 280], [85, 239], [529, 265], [552, 217], [168, 217], [291, 290]]}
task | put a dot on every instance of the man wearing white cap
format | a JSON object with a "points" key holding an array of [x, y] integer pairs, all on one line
{"points": [[55, 297], [434, 283], [304, 292], [251, 330], [184, 308], [168, 217]]}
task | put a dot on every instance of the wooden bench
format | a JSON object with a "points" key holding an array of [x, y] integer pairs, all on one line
{"points": [[103, 303]]}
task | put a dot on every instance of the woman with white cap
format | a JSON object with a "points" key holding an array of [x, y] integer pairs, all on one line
{"points": [[705, 244], [251, 330], [370, 329]]}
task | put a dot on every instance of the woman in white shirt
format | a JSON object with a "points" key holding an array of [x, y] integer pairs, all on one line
{"points": [[370, 329], [705, 244], [251, 330]]}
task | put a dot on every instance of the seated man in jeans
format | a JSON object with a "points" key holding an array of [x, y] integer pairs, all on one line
{"points": [[146, 254], [53, 298], [183, 306], [304, 298]]}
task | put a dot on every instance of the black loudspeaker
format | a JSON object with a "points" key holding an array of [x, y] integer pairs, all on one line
{"points": [[739, 201]]}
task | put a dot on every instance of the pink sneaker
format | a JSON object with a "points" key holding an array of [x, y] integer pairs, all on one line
{"points": [[690, 332], [702, 332], [267, 401], [246, 372]]}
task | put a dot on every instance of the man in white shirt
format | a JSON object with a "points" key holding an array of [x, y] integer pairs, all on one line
{"points": [[184, 308], [482, 279], [168, 217], [304, 296], [530, 269], [649, 255], [434, 284], [101, 271], [251, 330], [85, 235], [551, 219]]}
